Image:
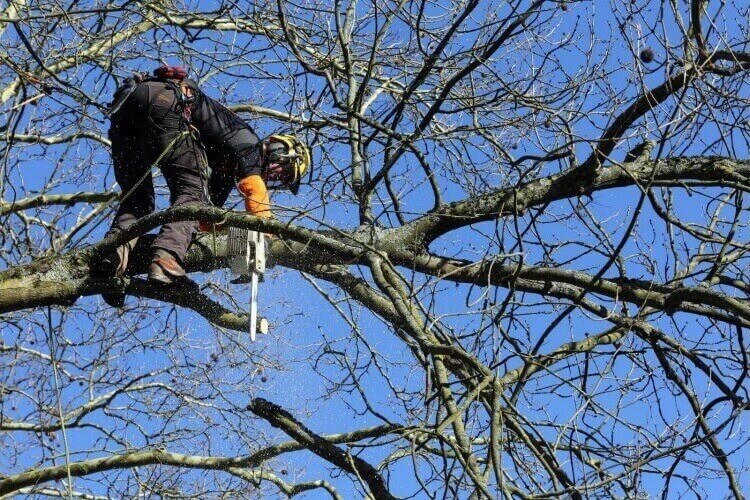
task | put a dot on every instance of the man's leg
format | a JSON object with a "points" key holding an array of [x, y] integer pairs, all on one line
{"points": [[129, 135], [137, 201], [186, 187], [134, 178]]}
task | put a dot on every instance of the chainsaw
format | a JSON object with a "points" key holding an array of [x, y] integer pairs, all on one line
{"points": [[246, 251]]}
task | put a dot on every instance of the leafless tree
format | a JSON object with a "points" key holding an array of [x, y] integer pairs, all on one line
{"points": [[518, 269]]}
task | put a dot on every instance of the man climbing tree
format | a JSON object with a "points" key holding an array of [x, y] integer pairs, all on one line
{"points": [[202, 149]]}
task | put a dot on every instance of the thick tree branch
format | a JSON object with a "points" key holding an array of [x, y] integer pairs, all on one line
{"points": [[570, 184], [701, 301], [642, 105]]}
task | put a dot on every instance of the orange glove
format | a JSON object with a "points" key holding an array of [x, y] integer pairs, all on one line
{"points": [[255, 192], [257, 201]]}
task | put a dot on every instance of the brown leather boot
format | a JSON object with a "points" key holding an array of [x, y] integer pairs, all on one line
{"points": [[165, 269]]}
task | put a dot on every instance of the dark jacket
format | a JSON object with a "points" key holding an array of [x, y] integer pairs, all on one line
{"points": [[232, 148]]}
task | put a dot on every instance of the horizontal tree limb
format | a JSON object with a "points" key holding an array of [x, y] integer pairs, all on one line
{"points": [[57, 139], [54, 199], [160, 457]]}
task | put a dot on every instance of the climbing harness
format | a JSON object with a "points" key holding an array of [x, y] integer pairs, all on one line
{"points": [[121, 97], [170, 75]]}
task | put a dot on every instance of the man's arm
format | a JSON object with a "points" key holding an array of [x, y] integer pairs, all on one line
{"points": [[227, 134], [234, 142]]}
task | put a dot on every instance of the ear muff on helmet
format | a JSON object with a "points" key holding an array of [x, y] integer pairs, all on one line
{"points": [[287, 149]]}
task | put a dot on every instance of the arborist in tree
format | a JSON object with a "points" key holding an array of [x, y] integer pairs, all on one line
{"points": [[203, 150]]}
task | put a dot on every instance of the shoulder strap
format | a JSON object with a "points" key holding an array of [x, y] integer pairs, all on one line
{"points": [[121, 96]]}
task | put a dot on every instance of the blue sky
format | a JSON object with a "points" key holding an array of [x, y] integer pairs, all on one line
{"points": [[293, 357]]}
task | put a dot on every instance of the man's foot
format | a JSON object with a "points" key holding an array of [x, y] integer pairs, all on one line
{"points": [[105, 265], [112, 263], [165, 269]]}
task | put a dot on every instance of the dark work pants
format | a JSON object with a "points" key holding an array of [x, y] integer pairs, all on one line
{"points": [[141, 131]]}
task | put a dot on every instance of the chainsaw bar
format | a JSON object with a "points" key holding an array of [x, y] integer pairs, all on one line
{"points": [[247, 256]]}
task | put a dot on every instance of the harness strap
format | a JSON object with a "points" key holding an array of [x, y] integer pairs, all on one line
{"points": [[185, 93]]}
